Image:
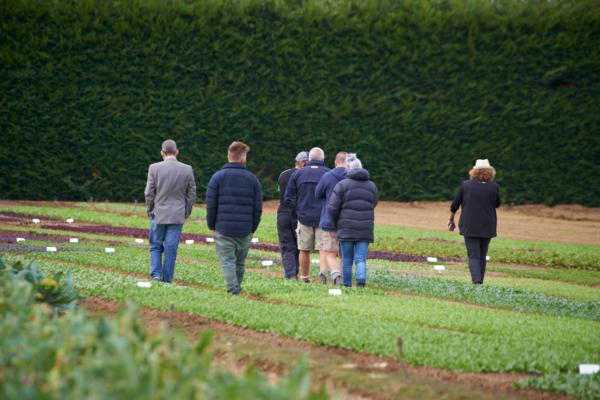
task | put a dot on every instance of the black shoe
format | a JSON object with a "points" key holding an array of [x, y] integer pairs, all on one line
{"points": [[361, 284], [322, 279], [305, 280], [338, 280]]}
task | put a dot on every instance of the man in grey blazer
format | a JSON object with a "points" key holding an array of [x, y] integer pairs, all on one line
{"points": [[170, 195]]}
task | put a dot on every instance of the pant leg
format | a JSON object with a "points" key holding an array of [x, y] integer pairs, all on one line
{"points": [[473, 245], [242, 247], [286, 231], [172, 236], [225, 247], [360, 260], [347, 254], [484, 245], [156, 236]]}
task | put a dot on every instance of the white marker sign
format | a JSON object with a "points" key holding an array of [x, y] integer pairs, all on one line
{"points": [[314, 261], [487, 258], [439, 268], [73, 240], [144, 284], [36, 220], [267, 263], [210, 240], [335, 292], [20, 240], [589, 369], [254, 240], [70, 220], [189, 241], [109, 250], [431, 259], [139, 241], [51, 249]]}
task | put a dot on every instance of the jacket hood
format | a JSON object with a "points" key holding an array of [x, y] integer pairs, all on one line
{"points": [[339, 173], [359, 174]]}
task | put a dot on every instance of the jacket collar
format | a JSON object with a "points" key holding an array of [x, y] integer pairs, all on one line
{"points": [[315, 162], [236, 165], [170, 158]]}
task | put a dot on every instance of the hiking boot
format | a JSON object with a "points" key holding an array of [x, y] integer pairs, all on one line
{"points": [[322, 279], [337, 281], [361, 284], [305, 280]]}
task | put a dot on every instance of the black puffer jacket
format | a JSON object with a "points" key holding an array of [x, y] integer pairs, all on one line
{"points": [[352, 207]]}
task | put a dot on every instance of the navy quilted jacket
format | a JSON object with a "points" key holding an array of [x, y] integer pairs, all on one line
{"points": [[352, 207], [233, 201]]}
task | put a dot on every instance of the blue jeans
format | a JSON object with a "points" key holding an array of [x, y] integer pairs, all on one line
{"points": [[163, 239], [354, 252]]}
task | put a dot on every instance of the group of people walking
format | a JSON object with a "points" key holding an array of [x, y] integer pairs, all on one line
{"points": [[331, 211]]}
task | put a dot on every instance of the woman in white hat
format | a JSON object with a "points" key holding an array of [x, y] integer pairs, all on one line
{"points": [[478, 199]]}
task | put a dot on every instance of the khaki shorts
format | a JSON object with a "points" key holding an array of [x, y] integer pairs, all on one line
{"points": [[330, 242], [309, 238]]}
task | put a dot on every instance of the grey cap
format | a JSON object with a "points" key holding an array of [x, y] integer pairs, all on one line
{"points": [[169, 146], [302, 156]]}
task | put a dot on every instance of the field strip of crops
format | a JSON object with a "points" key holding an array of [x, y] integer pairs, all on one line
{"points": [[394, 239]]}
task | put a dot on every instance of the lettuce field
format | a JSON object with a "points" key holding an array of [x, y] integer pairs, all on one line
{"points": [[413, 332]]}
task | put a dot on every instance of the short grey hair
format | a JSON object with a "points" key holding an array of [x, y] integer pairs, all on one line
{"points": [[169, 146], [316, 153], [352, 162]]}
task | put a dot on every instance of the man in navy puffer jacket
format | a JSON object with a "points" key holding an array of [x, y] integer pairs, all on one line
{"points": [[233, 211], [330, 246], [300, 196], [352, 210]]}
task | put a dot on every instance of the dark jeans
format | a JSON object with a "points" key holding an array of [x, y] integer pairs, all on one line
{"points": [[164, 239], [477, 249], [286, 230], [232, 252]]}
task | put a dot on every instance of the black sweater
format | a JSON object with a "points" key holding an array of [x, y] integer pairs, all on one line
{"points": [[478, 200]]}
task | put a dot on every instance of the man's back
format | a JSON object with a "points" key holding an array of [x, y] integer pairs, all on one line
{"points": [[170, 191], [300, 193]]}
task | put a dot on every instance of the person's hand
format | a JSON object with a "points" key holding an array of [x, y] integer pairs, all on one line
{"points": [[451, 225]]}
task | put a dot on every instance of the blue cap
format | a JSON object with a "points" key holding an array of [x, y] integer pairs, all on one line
{"points": [[302, 156]]}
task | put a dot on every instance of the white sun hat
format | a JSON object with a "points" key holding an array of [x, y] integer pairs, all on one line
{"points": [[479, 164]]}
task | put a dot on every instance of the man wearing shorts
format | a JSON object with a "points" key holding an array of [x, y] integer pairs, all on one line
{"points": [[330, 246], [300, 196]]}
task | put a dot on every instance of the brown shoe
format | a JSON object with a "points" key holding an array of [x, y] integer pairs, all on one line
{"points": [[322, 279], [338, 280]]}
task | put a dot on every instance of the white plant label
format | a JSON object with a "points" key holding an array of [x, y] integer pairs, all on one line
{"points": [[109, 250], [589, 369], [144, 284], [254, 240], [73, 240], [431, 259], [189, 241], [20, 240], [70, 220], [487, 258], [439, 268], [314, 261], [335, 292], [36, 220], [139, 241], [51, 249], [210, 240], [267, 263]]}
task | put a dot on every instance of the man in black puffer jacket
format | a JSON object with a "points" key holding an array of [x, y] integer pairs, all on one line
{"points": [[352, 210], [233, 211]]}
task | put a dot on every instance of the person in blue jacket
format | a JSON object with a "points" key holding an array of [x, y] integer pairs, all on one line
{"points": [[300, 197], [352, 210], [233, 210], [328, 256]]}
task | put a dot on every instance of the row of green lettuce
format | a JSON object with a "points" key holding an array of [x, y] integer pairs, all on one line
{"points": [[388, 238], [75, 356], [418, 88]]}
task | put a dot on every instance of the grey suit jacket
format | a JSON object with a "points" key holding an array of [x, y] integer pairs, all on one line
{"points": [[170, 191]]}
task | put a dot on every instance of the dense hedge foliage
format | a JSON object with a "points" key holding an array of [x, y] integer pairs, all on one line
{"points": [[418, 88]]}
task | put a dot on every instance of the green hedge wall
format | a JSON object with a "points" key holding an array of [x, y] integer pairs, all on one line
{"points": [[419, 89]]}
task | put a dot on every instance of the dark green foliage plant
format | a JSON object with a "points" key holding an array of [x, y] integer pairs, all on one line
{"points": [[418, 88]]}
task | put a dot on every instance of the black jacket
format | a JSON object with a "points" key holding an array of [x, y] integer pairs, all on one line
{"points": [[233, 201], [478, 201], [352, 207], [300, 193]]}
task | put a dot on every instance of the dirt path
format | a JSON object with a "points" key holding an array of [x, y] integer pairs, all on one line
{"points": [[352, 374], [564, 224]]}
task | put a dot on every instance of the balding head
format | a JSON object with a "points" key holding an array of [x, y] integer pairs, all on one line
{"points": [[340, 159], [316, 153], [169, 148]]}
